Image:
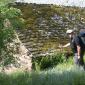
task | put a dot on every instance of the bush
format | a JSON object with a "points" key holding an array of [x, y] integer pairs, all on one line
{"points": [[44, 62], [7, 32]]}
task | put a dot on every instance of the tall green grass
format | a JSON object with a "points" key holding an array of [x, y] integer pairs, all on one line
{"points": [[63, 74], [60, 75]]}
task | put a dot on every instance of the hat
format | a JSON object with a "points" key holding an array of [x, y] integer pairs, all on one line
{"points": [[69, 31]]}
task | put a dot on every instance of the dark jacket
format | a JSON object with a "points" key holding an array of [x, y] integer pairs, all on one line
{"points": [[76, 40]]}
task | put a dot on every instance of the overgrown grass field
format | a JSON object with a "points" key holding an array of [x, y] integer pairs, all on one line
{"points": [[62, 74]]}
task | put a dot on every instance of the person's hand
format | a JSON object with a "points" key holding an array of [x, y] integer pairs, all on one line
{"points": [[78, 57], [60, 46]]}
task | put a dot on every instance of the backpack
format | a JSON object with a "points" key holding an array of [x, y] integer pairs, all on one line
{"points": [[82, 35]]}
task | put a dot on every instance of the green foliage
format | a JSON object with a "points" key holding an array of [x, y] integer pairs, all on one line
{"points": [[5, 2], [74, 76], [6, 36], [64, 73], [13, 14], [8, 16], [44, 62]]}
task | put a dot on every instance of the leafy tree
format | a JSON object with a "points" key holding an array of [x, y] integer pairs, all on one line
{"points": [[6, 1], [9, 21]]}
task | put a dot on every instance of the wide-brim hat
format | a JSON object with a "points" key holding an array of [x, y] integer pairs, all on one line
{"points": [[69, 31]]}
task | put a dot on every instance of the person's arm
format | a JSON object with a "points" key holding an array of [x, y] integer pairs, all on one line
{"points": [[68, 44], [78, 51]]}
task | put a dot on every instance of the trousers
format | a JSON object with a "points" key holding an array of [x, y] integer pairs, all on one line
{"points": [[80, 61]]}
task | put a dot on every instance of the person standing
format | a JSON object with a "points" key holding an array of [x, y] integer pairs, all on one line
{"points": [[77, 46]]}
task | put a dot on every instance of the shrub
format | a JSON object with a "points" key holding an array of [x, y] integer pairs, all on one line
{"points": [[7, 32], [44, 62]]}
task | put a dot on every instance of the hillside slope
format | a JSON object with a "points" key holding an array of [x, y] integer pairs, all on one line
{"points": [[46, 25]]}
